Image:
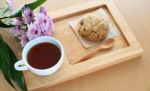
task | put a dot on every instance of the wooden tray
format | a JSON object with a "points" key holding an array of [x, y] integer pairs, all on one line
{"points": [[126, 46]]}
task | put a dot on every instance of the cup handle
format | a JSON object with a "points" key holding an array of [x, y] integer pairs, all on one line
{"points": [[20, 66]]}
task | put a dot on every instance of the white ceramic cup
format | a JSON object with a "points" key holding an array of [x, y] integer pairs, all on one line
{"points": [[23, 64]]}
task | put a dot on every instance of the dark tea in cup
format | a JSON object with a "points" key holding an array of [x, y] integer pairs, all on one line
{"points": [[43, 55]]}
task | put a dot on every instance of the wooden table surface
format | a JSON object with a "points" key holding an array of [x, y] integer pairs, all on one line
{"points": [[132, 75]]}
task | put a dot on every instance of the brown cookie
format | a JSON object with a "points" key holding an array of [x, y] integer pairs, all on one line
{"points": [[93, 27]]}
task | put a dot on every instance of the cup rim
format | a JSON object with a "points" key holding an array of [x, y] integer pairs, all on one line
{"points": [[36, 39]]}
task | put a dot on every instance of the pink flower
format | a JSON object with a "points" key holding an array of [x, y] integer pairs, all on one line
{"points": [[47, 33], [17, 21], [28, 15], [23, 40], [9, 3], [42, 10], [45, 22], [33, 31], [16, 30], [39, 25]]}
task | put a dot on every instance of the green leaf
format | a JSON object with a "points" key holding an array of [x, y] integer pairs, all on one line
{"points": [[7, 61], [17, 76], [3, 25], [4, 62], [35, 4], [4, 10], [32, 6], [18, 13]]}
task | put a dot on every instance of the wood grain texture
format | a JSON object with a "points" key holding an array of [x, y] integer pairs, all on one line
{"points": [[133, 75]]}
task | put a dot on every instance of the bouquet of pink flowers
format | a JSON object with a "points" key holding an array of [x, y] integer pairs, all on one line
{"points": [[25, 24], [31, 26]]}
